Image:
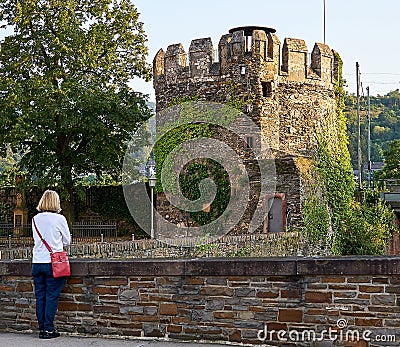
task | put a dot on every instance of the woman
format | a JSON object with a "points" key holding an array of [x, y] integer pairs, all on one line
{"points": [[54, 229]]}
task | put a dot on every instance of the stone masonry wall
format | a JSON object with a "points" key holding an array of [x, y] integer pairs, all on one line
{"points": [[254, 245], [235, 300]]}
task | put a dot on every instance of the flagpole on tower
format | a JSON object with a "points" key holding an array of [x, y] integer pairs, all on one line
{"points": [[324, 19]]}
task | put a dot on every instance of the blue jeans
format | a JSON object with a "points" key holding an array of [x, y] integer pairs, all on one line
{"points": [[47, 293]]}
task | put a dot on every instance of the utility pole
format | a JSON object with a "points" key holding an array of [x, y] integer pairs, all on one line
{"points": [[369, 141], [359, 128]]}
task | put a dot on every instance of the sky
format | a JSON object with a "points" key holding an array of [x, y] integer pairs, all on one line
{"points": [[363, 31]]}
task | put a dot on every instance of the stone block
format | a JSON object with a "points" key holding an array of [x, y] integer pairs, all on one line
{"points": [[290, 315], [150, 310], [131, 332], [154, 330], [112, 282], [265, 316], [342, 294], [383, 299], [24, 287], [391, 323], [193, 281], [392, 289], [359, 279], [333, 279], [216, 291], [291, 293], [201, 330], [189, 290], [246, 315], [342, 287], [132, 310], [202, 316], [267, 294], [364, 296], [369, 322], [103, 290], [318, 297], [224, 315], [216, 281], [235, 336], [371, 289], [248, 324], [380, 280], [169, 309], [174, 328], [245, 291], [215, 304], [6, 288], [127, 295], [104, 308], [315, 319]]}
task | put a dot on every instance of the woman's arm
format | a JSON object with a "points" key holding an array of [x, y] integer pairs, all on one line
{"points": [[66, 235]]}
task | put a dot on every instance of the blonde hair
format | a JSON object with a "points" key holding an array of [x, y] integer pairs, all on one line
{"points": [[50, 201]]}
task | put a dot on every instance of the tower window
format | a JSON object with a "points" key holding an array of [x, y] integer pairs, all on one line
{"points": [[266, 89], [249, 141], [248, 43]]}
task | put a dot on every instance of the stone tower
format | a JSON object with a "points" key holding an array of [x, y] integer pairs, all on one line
{"points": [[288, 93]]}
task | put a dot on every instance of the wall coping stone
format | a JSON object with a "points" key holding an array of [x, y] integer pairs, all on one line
{"points": [[279, 266]]}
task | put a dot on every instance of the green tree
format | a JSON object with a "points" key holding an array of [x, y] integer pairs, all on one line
{"points": [[392, 162], [367, 227], [65, 102], [8, 167]]}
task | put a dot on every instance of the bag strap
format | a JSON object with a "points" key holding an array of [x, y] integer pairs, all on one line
{"points": [[40, 235]]}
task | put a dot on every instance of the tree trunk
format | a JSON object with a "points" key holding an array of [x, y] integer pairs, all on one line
{"points": [[68, 202], [68, 207]]}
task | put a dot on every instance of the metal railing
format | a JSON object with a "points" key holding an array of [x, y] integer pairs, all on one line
{"points": [[21, 235], [15, 235], [389, 185], [94, 231]]}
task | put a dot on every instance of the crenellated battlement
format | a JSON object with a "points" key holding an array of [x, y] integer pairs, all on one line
{"points": [[245, 47]]}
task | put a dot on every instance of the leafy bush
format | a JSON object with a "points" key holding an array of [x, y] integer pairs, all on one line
{"points": [[316, 221], [367, 228]]}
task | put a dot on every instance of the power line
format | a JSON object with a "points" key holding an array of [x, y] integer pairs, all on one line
{"points": [[383, 82], [374, 73], [382, 73], [352, 84]]}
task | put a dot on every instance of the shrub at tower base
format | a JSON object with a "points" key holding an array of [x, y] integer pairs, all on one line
{"points": [[337, 219]]}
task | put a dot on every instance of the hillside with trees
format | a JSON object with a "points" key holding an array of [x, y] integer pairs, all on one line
{"points": [[385, 124]]}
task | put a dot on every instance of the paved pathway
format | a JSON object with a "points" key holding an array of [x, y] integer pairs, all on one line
{"points": [[32, 340]]}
